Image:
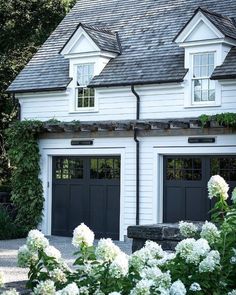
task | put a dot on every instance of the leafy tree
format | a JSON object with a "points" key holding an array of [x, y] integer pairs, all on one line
{"points": [[24, 26]]}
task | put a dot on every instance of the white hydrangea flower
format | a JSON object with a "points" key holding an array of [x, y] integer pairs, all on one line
{"points": [[138, 259], [192, 250], [84, 291], [120, 266], [82, 235], [160, 279], [36, 240], [149, 254], [210, 232], [106, 250], [217, 187], [233, 292], [71, 289], [57, 275], [178, 288], [185, 247], [187, 229], [51, 251], [210, 263], [114, 293], [233, 198], [45, 288], [233, 258], [2, 279], [25, 257], [142, 288], [10, 292], [195, 287], [154, 249], [163, 261]]}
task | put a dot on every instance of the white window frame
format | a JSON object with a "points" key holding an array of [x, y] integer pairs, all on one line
{"points": [[206, 102], [76, 87], [187, 84]]}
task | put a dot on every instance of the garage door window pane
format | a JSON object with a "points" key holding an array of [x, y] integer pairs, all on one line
{"points": [[105, 168], [184, 169], [225, 167], [69, 168]]}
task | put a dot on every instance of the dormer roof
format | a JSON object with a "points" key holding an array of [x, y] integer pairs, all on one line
{"points": [[228, 69], [202, 20], [104, 40], [146, 32]]}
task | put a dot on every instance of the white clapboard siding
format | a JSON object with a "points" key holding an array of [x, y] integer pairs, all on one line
{"points": [[157, 102]]}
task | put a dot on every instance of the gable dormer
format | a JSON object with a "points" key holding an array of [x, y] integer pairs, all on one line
{"points": [[88, 39], [207, 39], [89, 49]]}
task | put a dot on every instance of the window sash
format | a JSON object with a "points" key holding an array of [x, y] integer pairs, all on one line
{"points": [[85, 97], [203, 89]]}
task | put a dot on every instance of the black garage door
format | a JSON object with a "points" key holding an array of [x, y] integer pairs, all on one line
{"points": [[185, 184], [86, 189]]}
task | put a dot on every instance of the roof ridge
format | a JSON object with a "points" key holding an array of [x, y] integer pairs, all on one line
{"points": [[101, 30], [214, 13]]}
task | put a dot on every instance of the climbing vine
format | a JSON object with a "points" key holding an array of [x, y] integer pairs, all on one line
{"points": [[223, 119], [27, 191]]}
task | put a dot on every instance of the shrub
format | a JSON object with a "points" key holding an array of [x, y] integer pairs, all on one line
{"points": [[8, 229], [204, 263]]}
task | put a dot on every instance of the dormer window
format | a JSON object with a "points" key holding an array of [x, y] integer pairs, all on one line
{"points": [[84, 95], [203, 89]]}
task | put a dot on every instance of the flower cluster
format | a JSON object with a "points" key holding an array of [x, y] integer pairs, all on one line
{"points": [[211, 262], [45, 288], [199, 260], [187, 229], [178, 288], [233, 198], [36, 240], [192, 250], [210, 232], [71, 289], [217, 187], [106, 250], [119, 266], [82, 236], [26, 257]]}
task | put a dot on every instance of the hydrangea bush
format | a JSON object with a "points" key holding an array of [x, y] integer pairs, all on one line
{"points": [[204, 262]]}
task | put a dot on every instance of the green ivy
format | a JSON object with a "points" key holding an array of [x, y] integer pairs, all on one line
{"points": [[27, 191], [223, 119]]}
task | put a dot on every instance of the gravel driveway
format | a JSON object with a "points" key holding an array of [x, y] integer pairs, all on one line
{"points": [[8, 256]]}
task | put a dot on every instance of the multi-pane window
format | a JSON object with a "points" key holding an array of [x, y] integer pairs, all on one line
{"points": [[202, 87], [184, 169], [104, 168], [84, 95], [69, 168]]}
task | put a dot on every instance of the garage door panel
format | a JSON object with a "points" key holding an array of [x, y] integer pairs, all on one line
{"points": [[192, 174], [196, 204], [78, 206], [98, 208], [92, 194], [174, 204], [113, 204], [60, 214]]}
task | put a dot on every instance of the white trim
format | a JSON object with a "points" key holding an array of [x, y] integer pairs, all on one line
{"points": [[193, 24], [47, 155], [74, 39], [160, 152]]}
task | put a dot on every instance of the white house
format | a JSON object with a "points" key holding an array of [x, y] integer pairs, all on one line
{"points": [[137, 75]]}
